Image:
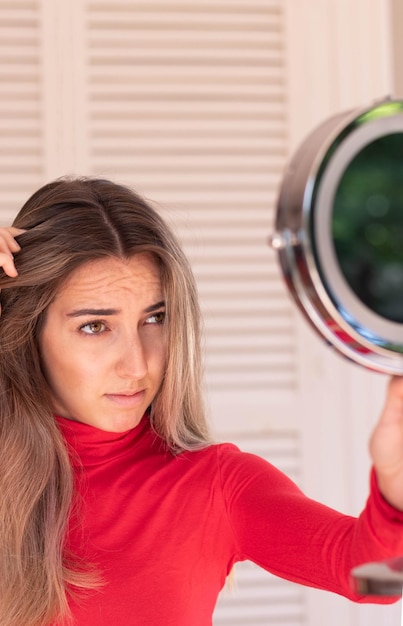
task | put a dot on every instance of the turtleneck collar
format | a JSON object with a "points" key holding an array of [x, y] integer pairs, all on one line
{"points": [[95, 446]]}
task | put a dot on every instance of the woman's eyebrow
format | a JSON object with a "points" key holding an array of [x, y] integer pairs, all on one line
{"points": [[154, 307], [106, 312], [102, 312]]}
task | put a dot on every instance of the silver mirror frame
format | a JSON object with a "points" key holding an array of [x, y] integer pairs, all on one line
{"points": [[303, 239]]}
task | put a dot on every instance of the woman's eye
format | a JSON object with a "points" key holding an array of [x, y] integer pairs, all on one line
{"points": [[93, 328], [156, 318]]}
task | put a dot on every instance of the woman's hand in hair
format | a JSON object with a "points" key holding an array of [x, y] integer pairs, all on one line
{"points": [[386, 445], [8, 246]]}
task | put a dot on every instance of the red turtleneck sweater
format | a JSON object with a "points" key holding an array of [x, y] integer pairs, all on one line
{"points": [[166, 530]]}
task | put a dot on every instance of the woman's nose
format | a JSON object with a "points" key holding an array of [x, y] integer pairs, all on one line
{"points": [[131, 360]]}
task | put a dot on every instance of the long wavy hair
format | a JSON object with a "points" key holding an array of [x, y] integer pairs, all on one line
{"points": [[70, 222]]}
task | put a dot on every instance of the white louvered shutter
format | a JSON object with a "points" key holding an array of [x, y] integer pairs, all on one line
{"points": [[187, 105], [21, 153], [185, 102]]}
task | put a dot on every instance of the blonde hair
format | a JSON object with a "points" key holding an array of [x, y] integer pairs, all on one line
{"points": [[70, 222]]}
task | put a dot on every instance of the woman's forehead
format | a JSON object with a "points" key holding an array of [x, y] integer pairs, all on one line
{"points": [[112, 275]]}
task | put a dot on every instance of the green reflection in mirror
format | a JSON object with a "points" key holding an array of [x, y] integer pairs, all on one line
{"points": [[367, 225]]}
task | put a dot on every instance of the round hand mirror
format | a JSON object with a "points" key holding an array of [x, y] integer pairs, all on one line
{"points": [[339, 233]]}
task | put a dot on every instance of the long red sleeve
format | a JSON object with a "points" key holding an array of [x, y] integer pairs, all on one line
{"points": [[278, 527], [165, 531]]}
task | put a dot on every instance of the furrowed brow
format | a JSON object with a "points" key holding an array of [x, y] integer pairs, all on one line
{"points": [[155, 307], [106, 312], [96, 312]]}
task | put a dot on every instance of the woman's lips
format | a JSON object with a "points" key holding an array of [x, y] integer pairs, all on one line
{"points": [[127, 399]]}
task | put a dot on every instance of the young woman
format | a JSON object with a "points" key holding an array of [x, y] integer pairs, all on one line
{"points": [[115, 505]]}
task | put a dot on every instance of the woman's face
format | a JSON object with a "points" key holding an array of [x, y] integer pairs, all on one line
{"points": [[102, 343]]}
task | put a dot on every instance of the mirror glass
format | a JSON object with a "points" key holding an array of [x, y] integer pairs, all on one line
{"points": [[367, 226]]}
